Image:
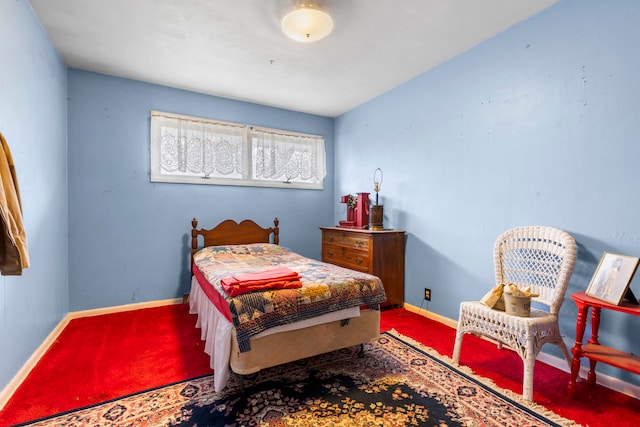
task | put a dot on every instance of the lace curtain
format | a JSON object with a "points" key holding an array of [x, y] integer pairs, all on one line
{"points": [[200, 148], [190, 149], [287, 157]]}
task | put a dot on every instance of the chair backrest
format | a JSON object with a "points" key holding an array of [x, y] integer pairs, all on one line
{"points": [[540, 257]]}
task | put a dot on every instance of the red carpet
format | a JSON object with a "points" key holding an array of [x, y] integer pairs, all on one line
{"points": [[104, 357], [593, 407]]}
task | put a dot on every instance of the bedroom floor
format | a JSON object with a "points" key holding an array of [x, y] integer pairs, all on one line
{"points": [[102, 357]]}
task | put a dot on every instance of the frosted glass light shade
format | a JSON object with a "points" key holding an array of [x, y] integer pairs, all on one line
{"points": [[307, 24]]}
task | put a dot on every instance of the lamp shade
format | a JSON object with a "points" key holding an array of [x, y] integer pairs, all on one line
{"points": [[307, 24]]}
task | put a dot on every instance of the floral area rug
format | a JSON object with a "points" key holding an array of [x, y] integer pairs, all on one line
{"points": [[397, 383]]}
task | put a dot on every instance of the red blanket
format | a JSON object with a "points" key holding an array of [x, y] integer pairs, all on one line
{"points": [[277, 278]]}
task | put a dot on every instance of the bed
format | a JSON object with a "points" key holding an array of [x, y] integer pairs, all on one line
{"points": [[255, 330]]}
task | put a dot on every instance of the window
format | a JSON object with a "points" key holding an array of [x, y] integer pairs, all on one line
{"points": [[201, 151]]}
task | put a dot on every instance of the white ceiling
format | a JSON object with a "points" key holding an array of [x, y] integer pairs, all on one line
{"points": [[235, 48]]}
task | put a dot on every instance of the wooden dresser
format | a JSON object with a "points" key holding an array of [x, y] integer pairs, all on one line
{"points": [[380, 253]]}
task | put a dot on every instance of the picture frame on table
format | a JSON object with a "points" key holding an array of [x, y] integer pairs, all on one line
{"points": [[612, 277]]}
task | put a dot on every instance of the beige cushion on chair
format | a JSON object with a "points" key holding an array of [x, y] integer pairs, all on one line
{"points": [[543, 259]]}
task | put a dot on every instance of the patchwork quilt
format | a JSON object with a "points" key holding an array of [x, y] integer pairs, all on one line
{"points": [[325, 287]]}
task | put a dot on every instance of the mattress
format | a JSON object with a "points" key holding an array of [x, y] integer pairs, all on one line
{"points": [[325, 288], [216, 330]]}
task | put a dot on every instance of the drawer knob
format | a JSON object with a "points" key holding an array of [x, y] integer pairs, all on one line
{"points": [[358, 260], [329, 238], [359, 243], [330, 254]]}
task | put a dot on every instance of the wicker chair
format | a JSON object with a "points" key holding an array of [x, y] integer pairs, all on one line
{"points": [[542, 258]]}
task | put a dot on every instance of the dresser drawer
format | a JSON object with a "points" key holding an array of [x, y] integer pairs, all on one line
{"points": [[348, 240], [377, 252], [346, 257]]}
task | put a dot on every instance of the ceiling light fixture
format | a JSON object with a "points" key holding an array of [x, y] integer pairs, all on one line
{"points": [[307, 23]]}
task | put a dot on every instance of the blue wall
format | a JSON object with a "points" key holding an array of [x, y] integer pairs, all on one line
{"points": [[130, 238], [538, 125], [33, 120]]}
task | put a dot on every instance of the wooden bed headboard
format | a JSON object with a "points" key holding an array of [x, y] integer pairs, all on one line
{"points": [[229, 232]]}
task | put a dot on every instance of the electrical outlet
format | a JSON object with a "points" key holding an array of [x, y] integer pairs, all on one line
{"points": [[427, 294]]}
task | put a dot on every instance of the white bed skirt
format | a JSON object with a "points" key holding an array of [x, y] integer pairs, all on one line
{"points": [[216, 330]]}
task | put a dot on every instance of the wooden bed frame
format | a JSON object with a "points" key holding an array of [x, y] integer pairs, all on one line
{"points": [[229, 232], [284, 347]]}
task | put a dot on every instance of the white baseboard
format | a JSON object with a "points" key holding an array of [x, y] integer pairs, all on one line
{"points": [[120, 308], [602, 379], [20, 376], [433, 316], [557, 362]]}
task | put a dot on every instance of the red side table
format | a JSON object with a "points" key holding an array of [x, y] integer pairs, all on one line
{"points": [[594, 351]]}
